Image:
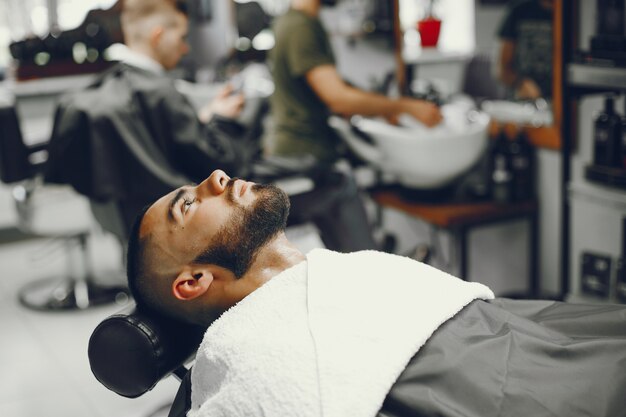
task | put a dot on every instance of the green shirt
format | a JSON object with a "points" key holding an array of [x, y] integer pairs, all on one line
{"points": [[300, 116]]}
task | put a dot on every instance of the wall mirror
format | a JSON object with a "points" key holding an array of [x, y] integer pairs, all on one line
{"points": [[470, 33]]}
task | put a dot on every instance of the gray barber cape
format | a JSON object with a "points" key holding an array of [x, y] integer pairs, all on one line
{"points": [[518, 358]]}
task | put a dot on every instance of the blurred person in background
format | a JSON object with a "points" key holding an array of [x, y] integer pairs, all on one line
{"points": [[309, 88], [525, 62]]}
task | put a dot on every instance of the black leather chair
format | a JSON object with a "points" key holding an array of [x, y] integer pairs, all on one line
{"points": [[21, 167], [18, 160], [131, 351]]}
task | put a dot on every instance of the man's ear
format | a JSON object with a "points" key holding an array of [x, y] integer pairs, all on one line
{"points": [[155, 36], [192, 283]]}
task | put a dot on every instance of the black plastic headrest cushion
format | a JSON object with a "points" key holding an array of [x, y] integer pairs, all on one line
{"points": [[129, 352]]}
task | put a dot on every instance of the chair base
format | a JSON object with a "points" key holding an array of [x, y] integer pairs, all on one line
{"points": [[70, 294]]}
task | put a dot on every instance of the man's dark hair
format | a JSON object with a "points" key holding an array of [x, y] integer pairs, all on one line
{"points": [[135, 263]]}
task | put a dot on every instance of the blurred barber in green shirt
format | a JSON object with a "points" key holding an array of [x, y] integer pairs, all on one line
{"points": [[309, 88]]}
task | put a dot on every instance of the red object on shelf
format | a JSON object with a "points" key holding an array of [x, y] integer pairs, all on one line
{"points": [[429, 29]]}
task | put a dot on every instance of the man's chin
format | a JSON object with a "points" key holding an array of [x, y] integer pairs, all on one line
{"points": [[279, 200]]}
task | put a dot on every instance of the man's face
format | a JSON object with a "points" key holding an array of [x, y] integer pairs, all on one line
{"points": [[172, 43], [221, 221]]}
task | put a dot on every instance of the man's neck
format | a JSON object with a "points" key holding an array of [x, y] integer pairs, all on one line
{"points": [[273, 258], [310, 7]]}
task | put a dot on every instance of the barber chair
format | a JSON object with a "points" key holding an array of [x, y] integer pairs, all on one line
{"points": [[21, 167], [131, 351]]}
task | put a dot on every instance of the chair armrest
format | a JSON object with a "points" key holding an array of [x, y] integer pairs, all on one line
{"points": [[132, 350]]}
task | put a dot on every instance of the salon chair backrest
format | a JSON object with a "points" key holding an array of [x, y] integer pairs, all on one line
{"points": [[105, 152], [14, 154], [132, 350]]}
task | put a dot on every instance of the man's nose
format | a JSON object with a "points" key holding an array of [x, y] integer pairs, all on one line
{"points": [[215, 184]]}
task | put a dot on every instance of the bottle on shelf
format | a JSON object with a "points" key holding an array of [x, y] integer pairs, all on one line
{"points": [[609, 19], [501, 176], [522, 157], [607, 136]]}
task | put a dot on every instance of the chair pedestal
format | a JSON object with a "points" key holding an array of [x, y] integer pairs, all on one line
{"points": [[70, 294], [77, 292], [22, 166]]}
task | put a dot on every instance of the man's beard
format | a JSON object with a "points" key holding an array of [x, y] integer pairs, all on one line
{"points": [[237, 243]]}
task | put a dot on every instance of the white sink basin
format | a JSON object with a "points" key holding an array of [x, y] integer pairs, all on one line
{"points": [[417, 156]]}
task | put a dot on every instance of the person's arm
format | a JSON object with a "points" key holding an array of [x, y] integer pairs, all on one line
{"points": [[196, 148], [528, 89], [343, 99], [225, 104]]}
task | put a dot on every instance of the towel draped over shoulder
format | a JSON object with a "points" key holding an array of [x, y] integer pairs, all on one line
{"points": [[327, 337]]}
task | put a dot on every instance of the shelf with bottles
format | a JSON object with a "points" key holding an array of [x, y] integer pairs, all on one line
{"points": [[49, 85], [609, 147], [596, 76], [602, 62]]}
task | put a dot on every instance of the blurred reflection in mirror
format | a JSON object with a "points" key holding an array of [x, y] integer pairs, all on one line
{"points": [[525, 61]]}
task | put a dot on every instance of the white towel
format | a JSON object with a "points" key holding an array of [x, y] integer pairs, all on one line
{"points": [[327, 337], [369, 313]]}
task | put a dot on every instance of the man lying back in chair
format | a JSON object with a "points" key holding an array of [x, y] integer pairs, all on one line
{"points": [[360, 334]]}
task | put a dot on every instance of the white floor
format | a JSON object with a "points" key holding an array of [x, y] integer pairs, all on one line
{"points": [[44, 369]]}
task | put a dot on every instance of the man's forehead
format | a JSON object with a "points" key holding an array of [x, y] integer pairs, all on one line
{"points": [[156, 210], [159, 245], [144, 226], [158, 222]]}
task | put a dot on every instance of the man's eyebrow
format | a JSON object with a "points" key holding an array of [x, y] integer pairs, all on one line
{"points": [[179, 194]]}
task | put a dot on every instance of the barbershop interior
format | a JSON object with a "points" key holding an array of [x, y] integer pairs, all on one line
{"points": [[484, 138]]}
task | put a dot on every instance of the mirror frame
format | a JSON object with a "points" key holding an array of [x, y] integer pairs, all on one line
{"points": [[548, 137]]}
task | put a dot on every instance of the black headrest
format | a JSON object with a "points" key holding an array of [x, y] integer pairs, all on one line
{"points": [[129, 352]]}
